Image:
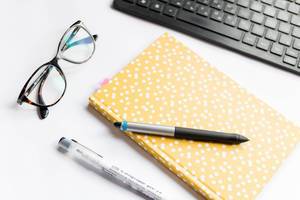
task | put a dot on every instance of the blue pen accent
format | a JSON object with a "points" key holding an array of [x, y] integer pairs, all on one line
{"points": [[124, 126]]}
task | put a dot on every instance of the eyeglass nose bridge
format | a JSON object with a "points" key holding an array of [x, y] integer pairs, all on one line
{"points": [[54, 60]]}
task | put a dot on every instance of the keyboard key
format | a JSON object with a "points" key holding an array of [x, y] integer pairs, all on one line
{"points": [[293, 8], [191, 6], [296, 32], [217, 15], [258, 30], [267, 1], [231, 20], [292, 52], [130, 1], [170, 11], [244, 25], [218, 4], [210, 25], [203, 10], [231, 1], [257, 18], [256, 6], [277, 49], [205, 2], [244, 13], [297, 1], [283, 16], [285, 40], [144, 3], [244, 3], [271, 22], [272, 35], [296, 44], [230, 8], [270, 11], [295, 20], [157, 6], [263, 44], [178, 3], [289, 60], [284, 27], [249, 39], [281, 4]]}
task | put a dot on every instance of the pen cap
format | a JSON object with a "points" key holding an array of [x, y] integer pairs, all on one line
{"points": [[64, 144], [79, 152]]}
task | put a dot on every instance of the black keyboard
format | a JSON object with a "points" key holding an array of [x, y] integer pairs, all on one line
{"points": [[268, 30]]}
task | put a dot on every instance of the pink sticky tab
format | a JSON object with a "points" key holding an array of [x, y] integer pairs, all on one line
{"points": [[105, 81], [102, 83]]}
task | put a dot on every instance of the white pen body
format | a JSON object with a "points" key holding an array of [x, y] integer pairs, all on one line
{"points": [[78, 151]]}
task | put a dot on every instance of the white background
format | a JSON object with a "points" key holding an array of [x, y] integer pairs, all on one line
{"points": [[32, 168]]}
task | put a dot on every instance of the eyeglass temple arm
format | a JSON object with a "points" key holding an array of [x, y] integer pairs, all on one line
{"points": [[71, 36], [86, 40], [37, 81], [42, 111]]}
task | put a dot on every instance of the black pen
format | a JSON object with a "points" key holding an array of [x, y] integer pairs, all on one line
{"points": [[181, 133]]}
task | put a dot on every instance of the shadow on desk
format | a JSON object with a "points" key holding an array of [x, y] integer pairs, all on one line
{"points": [[116, 133]]}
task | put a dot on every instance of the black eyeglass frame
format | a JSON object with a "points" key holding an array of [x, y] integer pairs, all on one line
{"points": [[23, 96]]}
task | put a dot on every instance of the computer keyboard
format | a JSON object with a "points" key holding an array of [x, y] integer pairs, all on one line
{"points": [[268, 30]]}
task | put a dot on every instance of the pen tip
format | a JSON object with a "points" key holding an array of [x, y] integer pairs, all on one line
{"points": [[243, 139], [64, 144], [118, 124], [61, 139]]}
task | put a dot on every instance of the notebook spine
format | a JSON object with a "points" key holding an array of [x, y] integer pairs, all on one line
{"points": [[158, 154]]}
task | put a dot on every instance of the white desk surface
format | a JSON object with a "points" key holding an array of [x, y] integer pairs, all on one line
{"points": [[32, 168]]}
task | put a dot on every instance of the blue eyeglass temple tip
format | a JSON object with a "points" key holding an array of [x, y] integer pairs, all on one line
{"points": [[86, 40]]}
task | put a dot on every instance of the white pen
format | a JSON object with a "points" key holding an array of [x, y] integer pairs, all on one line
{"points": [[82, 153]]}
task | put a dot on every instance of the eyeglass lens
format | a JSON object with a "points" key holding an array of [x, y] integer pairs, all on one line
{"points": [[77, 45]]}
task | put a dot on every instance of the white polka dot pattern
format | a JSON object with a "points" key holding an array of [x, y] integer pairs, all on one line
{"points": [[169, 84]]}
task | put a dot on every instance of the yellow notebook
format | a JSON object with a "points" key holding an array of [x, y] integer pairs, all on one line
{"points": [[171, 85]]}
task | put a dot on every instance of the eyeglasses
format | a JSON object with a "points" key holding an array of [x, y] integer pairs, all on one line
{"points": [[47, 85]]}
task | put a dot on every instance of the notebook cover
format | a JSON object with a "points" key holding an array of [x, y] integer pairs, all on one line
{"points": [[171, 85]]}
